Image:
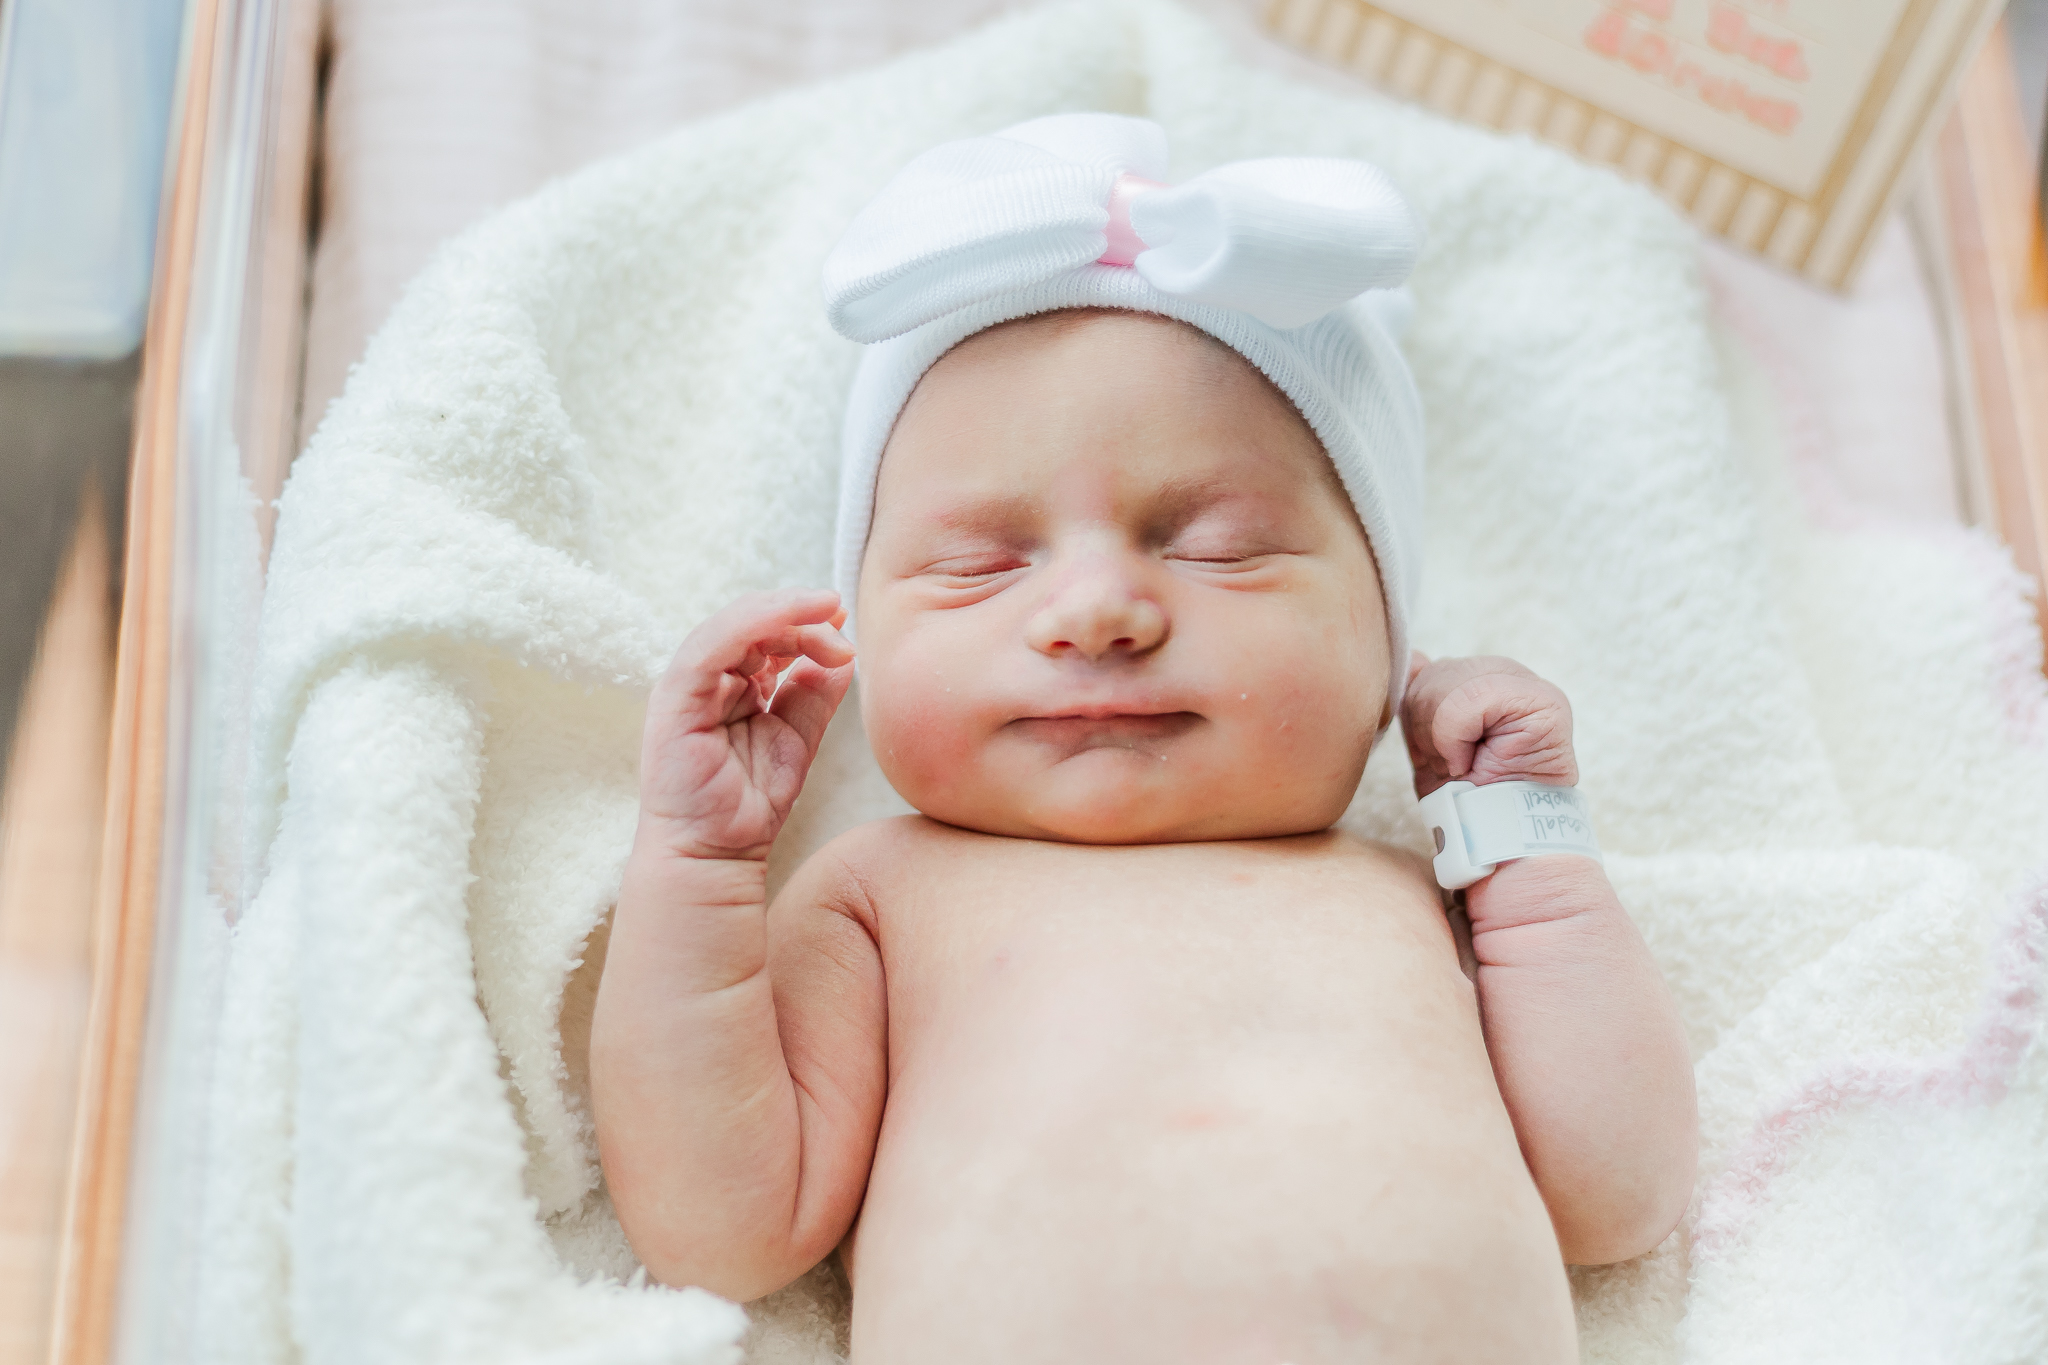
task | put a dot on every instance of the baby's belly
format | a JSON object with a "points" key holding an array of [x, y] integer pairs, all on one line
{"points": [[1199, 1126]]}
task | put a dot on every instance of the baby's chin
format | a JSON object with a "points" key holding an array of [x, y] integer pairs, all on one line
{"points": [[1125, 796]]}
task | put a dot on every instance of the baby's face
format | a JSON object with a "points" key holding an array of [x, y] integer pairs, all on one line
{"points": [[1114, 593]]}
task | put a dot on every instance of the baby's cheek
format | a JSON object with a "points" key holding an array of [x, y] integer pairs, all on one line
{"points": [[920, 729], [1306, 725]]}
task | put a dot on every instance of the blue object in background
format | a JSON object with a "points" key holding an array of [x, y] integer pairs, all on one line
{"points": [[85, 106]]}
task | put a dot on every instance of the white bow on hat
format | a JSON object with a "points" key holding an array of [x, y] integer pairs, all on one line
{"points": [[1284, 240]]}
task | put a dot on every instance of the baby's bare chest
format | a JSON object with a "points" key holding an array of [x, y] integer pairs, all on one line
{"points": [[1267, 956]]}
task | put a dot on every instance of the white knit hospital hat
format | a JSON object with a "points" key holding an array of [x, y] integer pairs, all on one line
{"points": [[1273, 258]]}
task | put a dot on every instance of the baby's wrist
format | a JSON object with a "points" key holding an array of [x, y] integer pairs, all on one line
{"points": [[1476, 828], [665, 837], [1538, 890]]}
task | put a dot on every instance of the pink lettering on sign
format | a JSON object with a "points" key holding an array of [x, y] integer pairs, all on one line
{"points": [[1728, 93], [1649, 53], [1729, 30], [1606, 34], [1654, 55]]}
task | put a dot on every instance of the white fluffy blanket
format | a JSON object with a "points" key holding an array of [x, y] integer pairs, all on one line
{"points": [[1818, 745]]}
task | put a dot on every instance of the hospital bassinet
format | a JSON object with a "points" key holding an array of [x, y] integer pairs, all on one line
{"points": [[229, 388]]}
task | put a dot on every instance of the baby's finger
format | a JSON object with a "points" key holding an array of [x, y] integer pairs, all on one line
{"points": [[1506, 725], [1456, 725], [808, 698], [740, 640], [824, 644], [756, 625], [1428, 684], [821, 643]]}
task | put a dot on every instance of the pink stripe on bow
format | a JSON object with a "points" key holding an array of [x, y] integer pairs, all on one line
{"points": [[1124, 241]]}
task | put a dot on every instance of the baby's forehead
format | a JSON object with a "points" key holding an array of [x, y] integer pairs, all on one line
{"points": [[1155, 400]]}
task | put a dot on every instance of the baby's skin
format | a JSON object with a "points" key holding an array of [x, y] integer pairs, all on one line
{"points": [[1119, 1052]]}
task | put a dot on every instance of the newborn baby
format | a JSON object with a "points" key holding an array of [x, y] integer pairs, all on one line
{"points": [[1118, 1051]]}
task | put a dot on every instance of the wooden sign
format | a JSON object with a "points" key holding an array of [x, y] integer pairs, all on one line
{"points": [[1783, 125]]}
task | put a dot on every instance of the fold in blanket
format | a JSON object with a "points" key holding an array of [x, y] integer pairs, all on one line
{"points": [[1817, 750]]}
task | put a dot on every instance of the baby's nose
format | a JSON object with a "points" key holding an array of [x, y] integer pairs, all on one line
{"points": [[1096, 619]]}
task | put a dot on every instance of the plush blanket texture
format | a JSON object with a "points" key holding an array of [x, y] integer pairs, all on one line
{"points": [[1817, 741]]}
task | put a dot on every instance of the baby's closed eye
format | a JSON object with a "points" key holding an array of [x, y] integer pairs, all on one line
{"points": [[1232, 531], [971, 574], [1219, 543], [976, 567], [1220, 556]]}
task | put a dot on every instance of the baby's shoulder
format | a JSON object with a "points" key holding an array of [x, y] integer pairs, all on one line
{"points": [[862, 862], [881, 844], [1341, 853], [1337, 844]]}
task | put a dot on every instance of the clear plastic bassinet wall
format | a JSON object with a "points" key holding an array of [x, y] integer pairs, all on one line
{"points": [[214, 418]]}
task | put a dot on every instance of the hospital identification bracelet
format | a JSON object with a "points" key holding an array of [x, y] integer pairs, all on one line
{"points": [[1477, 828]]}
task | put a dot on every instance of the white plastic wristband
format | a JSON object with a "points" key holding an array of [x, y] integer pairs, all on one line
{"points": [[1477, 828]]}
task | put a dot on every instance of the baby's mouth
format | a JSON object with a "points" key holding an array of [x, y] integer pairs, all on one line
{"points": [[1118, 730]]}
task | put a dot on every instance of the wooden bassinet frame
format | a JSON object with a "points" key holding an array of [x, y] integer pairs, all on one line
{"points": [[220, 375]]}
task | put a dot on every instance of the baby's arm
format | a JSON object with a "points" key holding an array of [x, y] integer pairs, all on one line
{"points": [[1583, 1034], [736, 1059]]}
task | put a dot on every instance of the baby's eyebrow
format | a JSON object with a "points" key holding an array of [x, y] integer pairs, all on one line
{"points": [[1175, 502], [999, 514], [1188, 494]]}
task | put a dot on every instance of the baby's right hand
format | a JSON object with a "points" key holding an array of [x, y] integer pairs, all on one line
{"points": [[726, 750]]}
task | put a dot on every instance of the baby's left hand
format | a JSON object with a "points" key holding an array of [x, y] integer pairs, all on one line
{"points": [[1485, 720]]}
